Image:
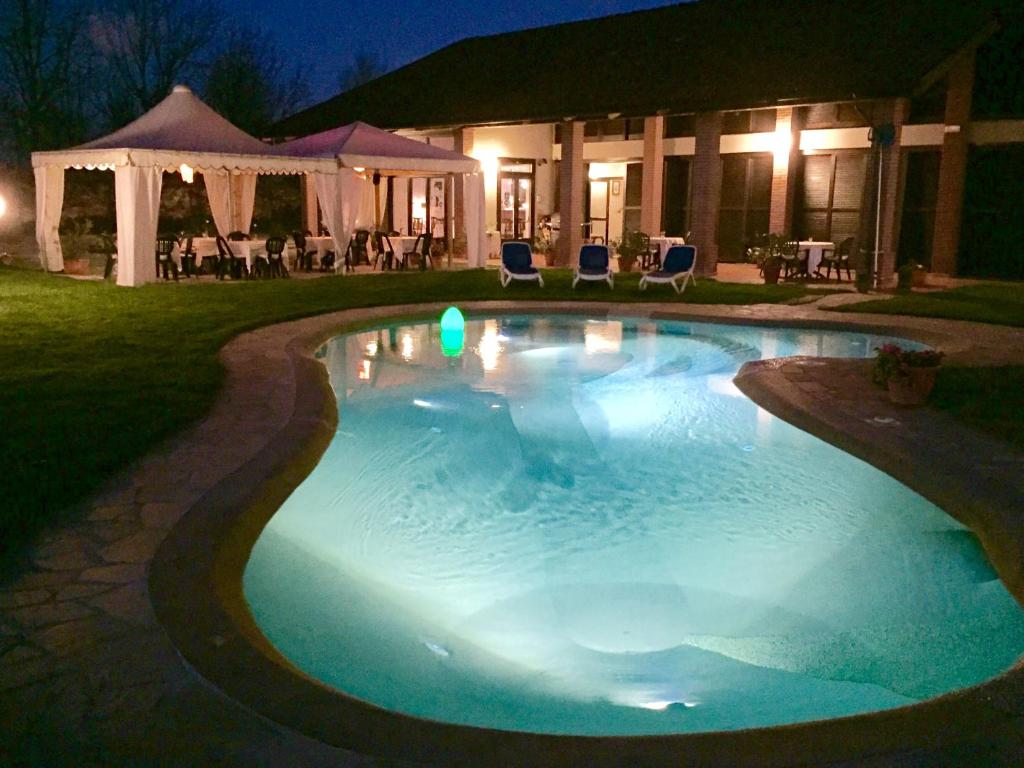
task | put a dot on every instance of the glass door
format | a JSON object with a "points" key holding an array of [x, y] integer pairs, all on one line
{"points": [[515, 199], [599, 210]]}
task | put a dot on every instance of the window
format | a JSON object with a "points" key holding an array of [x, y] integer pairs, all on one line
{"points": [[675, 207], [749, 121], [745, 205], [829, 195], [678, 126], [920, 192], [634, 196]]}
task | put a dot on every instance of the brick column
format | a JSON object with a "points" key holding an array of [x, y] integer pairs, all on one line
{"points": [[572, 182], [953, 166], [706, 191], [654, 168], [784, 169], [309, 209], [463, 143], [891, 205]]}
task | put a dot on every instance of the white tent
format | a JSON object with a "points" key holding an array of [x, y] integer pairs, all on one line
{"points": [[179, 133], [361, 149]]}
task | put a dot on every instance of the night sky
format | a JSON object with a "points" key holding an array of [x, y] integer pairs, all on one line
{"points": [[324, 34]]}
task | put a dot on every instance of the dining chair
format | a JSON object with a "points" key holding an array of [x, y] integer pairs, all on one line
{"points": [[188, 259], [228, 264], [357, 251], [165, 258], [791, 258], [275, 257], [109, 249], [384, 251]]}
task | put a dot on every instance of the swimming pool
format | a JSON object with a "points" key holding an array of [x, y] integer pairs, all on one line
{"points": [[581, 526]]}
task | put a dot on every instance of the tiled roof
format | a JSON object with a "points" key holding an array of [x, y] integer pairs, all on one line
{"points": [[711, 54]]}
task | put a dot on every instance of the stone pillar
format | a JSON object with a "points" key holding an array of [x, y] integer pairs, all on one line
{"points": [[706, 191], [953, 166], [654, 168], [572, 182], [309, 206], [888, 240], [785, 167], [462, 143]]}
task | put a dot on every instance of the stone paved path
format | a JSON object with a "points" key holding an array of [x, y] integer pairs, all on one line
{"points": [[87, 674]]}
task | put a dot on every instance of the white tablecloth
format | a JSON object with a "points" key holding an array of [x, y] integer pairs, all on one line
{"points": [[207, 246], [814, 249], [664, 243], [321, 244]]}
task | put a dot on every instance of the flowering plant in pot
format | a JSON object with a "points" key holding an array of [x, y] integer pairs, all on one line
{"points": [[908, 375], [768, 257], [630, 249]]}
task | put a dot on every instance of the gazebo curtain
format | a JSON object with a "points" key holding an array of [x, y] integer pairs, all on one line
{"points": [[49, 203], [232, 197], [137, 199]]}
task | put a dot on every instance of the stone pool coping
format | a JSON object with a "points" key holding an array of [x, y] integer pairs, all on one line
{"points": [[92, 628]]}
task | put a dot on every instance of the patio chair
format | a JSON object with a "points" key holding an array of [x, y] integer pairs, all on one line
{"points": [[594, 264], [303, 257], [108, 248], [680, 261], [275, 257], [385, 252], [356, 250], [228, 264], [165, 263], [420, 248], [517, 263], [791, 260], [838, 258], [188, 259], [650, 255]]}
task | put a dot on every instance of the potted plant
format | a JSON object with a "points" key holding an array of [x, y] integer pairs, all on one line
{"points": [[768, 257], [910, 275], [907, 375], [631, 247], [76, 243], [542, 246]]}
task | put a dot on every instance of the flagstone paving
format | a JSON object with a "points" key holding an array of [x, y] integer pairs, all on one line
{"points": [[88, 676]]}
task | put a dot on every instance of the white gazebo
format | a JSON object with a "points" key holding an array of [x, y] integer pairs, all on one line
{"points": [[365, 152], [182, 134]]}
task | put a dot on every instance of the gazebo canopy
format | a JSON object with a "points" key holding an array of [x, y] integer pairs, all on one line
{"points": [[358, 145], [180, 130]]}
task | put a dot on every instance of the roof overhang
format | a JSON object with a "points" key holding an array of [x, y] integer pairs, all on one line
{"points": [[168, 159]]}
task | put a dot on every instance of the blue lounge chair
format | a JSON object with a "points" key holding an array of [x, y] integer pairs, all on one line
{"points": [[594, 264], [517, 264], [679, 265]]}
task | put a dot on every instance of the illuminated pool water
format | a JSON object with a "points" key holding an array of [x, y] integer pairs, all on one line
{"points": [[583, 527]]}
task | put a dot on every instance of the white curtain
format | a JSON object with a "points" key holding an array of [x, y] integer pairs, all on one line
{"points": [[232, 197], [382, 200], [339, 205], [49, 202], [137, 200], [400, 204], [476, 218]]}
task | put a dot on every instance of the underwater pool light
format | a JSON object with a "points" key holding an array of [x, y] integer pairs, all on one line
{"points": [[453, 332]]}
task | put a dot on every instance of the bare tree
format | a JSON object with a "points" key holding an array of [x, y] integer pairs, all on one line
{"points": [[365, 66], [43, 70], [249, 83], [147, 47]]}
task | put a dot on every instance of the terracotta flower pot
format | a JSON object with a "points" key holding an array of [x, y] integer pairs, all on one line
{"points": [[77, 266], [913, 385], [626, 263]]}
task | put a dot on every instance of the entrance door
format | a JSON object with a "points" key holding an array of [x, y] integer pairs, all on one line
{"points": [[515, 199], [599, 209]]}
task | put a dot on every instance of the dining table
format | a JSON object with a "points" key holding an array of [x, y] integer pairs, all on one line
{"points": [[205, 247], [321, 244], [663, 243], [814, 249]]}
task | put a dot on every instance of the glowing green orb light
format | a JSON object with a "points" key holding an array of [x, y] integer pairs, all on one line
{"points": [[453, 332]]}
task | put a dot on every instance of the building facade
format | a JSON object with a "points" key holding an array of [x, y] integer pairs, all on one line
{"points": [[924, 158]]}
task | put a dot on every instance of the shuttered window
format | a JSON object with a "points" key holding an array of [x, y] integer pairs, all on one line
{"points": [[828, 199], [675, 210], [745, 203]]}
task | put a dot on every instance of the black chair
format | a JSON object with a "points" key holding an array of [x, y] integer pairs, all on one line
{"points": [[420, 248], [188, 259], [837, 258], [791, 261], [108, 248], [165, 258], [385, 252], [275, 257], [650, 256], [303, 256], [228, 264], [356, 251]]}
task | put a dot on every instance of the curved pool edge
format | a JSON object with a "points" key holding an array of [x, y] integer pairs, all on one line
{"points": [[196, 583]]}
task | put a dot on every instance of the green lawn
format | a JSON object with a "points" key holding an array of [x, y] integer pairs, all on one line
{"points": [[93, 375], [1000, 303]]}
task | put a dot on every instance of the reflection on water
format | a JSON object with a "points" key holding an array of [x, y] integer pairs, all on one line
{"points": [[581, 526]]}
